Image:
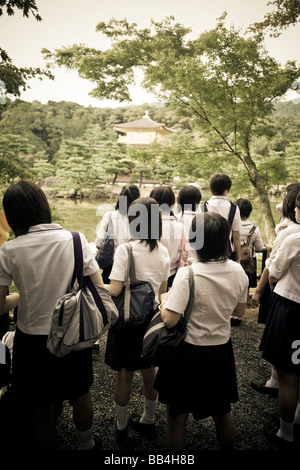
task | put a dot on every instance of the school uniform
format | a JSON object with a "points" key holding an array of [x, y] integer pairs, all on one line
{"points": [[200, 378], [119, 227], [186, 218], [41, 264], [267, 298], [123, 348], [291, 227], [118, 224], [173, 238], [283, 323], [221, 205]]}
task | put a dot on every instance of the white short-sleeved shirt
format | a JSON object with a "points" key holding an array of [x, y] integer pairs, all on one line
{"points": [[41, 264], [219, 287], [256, 243], [151, 266], [120, 228], [172, 238], [291, 228], [186, 218], [221, 205], [286, 267]]}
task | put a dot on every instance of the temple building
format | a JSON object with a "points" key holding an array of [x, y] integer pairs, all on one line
{"points": [[143, 131]]}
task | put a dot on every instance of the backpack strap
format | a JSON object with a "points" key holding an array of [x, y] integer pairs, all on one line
{"points": [[109, 228], [252, 230], [190, 304], [85, 281], [204, 207], [78, 260], [130, 275], [231, 214]]}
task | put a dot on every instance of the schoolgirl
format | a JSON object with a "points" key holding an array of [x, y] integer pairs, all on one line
{"points": [[201, 379], [188, 200], [123, 349], [281, 334], [173, 234], [263, 293], [40, 261], [117, 222]]}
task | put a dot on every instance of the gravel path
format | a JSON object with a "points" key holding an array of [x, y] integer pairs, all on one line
{"points": [[250, 413]]}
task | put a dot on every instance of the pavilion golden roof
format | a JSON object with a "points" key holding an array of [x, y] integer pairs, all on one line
{"points": [[143, 124]]}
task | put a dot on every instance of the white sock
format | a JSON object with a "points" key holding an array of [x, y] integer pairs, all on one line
{"points": [[286, 431], [122, 419], [273, 380], [149, 411], [297, 414], [86, 440]]}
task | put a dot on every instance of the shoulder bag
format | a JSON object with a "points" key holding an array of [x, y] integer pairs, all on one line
{"points": [[159, 341], [136, 301], [82, 315], [247, 260]]}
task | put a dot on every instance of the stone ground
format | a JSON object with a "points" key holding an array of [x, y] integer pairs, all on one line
{"points": [[250, 413]]}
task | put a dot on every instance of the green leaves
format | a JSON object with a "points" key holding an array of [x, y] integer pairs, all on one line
{"points": [[27, 6]]}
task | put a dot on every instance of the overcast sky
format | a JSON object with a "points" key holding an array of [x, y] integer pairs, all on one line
{"points": [[66, 22]]}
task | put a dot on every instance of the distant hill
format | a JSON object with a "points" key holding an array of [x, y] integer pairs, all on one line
{"points": [[287, 109]]}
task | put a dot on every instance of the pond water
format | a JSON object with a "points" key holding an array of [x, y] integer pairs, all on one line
{"points": [[84, 215], [80, 215]]}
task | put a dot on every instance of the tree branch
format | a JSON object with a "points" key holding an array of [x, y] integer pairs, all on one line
{"points": [[207, 120]]}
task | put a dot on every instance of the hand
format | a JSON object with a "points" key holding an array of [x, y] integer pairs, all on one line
{"points": [[164, 297]]}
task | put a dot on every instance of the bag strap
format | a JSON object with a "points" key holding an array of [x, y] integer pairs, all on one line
{"points": [[130, 277], [190, 304], [231, 214], [78, 260], [85, 281], [109, 228], [97, 298], [204, 207], [252, 230], [131, 265]]}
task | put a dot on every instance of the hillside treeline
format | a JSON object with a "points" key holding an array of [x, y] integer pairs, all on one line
{"points": [[56, 140]]}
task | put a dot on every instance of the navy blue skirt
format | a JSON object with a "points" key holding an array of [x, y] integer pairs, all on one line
{"points": [[124, 348], [281, 334], [198, 379], [42, 378]]}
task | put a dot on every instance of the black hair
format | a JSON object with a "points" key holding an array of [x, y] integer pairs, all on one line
{"points": [[164, 195], [298, 200], [289, 203], [25, 204], [189, 197], [219, 183], [245, 207], [208, 235], [147, 229], [292, 186], [131, 192]]}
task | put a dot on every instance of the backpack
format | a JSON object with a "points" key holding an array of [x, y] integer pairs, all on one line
{"points": [[135, 304], [5, 366], [247, 261], [83, 314], [105, 254], [159, 341]]}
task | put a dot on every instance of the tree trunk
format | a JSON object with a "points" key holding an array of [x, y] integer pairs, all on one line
{"points": [[267, 212], [141, 179]]}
